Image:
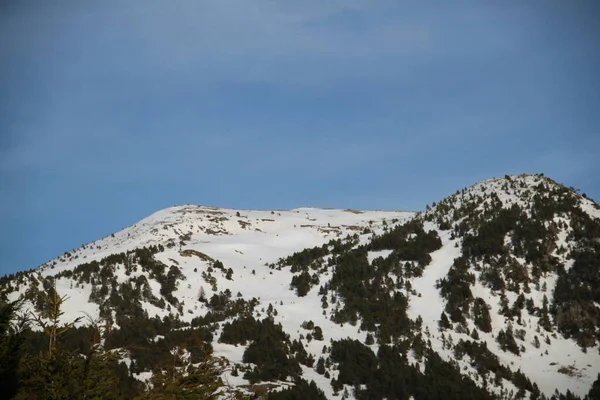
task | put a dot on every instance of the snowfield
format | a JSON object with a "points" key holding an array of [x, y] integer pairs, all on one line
{"points": [[248, 242]]}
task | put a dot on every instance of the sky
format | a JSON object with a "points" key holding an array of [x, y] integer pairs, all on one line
{"points": [[111, 110]]}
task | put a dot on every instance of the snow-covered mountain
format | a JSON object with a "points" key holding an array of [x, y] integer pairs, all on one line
{"points": [[498, 284], [193, 237]]}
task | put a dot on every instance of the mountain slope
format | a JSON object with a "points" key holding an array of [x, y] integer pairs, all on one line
{"points": [[522, 240], [192, 237], [491, 292]]}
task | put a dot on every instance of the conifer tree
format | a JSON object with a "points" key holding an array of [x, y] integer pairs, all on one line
{"points": [[594, 393], [51, 374], [544, 317], [444, 323], [11, 341], [56, 374], [182, 380]]}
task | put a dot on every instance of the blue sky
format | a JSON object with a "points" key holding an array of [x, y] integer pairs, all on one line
{"points": [[111, 110]]}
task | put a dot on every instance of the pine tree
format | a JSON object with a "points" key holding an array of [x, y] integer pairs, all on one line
{"points": [[320, 366], [594, 393], [56, 374], [182, 380], [98, 376], [544, 316], [51, 374], [444, 323], [11, 341], [482, 315]]}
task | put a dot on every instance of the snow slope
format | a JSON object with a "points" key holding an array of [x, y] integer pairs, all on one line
{"points": [[245, 241], [248, 241], [541, 367]]}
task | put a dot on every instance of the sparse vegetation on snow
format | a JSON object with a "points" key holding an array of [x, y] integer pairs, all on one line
{"points": [[493, 292]]}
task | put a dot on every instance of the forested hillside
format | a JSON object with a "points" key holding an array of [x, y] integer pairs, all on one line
{"points": [[491, 293]]}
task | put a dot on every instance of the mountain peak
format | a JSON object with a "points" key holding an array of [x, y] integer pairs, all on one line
{"points": [[521, 190]]}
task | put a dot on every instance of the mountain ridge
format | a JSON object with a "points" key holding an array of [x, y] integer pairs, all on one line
{"points": [[460, 275]]}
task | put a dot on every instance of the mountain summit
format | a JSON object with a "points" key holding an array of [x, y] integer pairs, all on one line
{"points": [[493, 292]]}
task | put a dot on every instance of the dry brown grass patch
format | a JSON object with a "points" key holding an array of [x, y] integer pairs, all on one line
{"points": [[570, 371], [200, 255], [353, 211]]}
